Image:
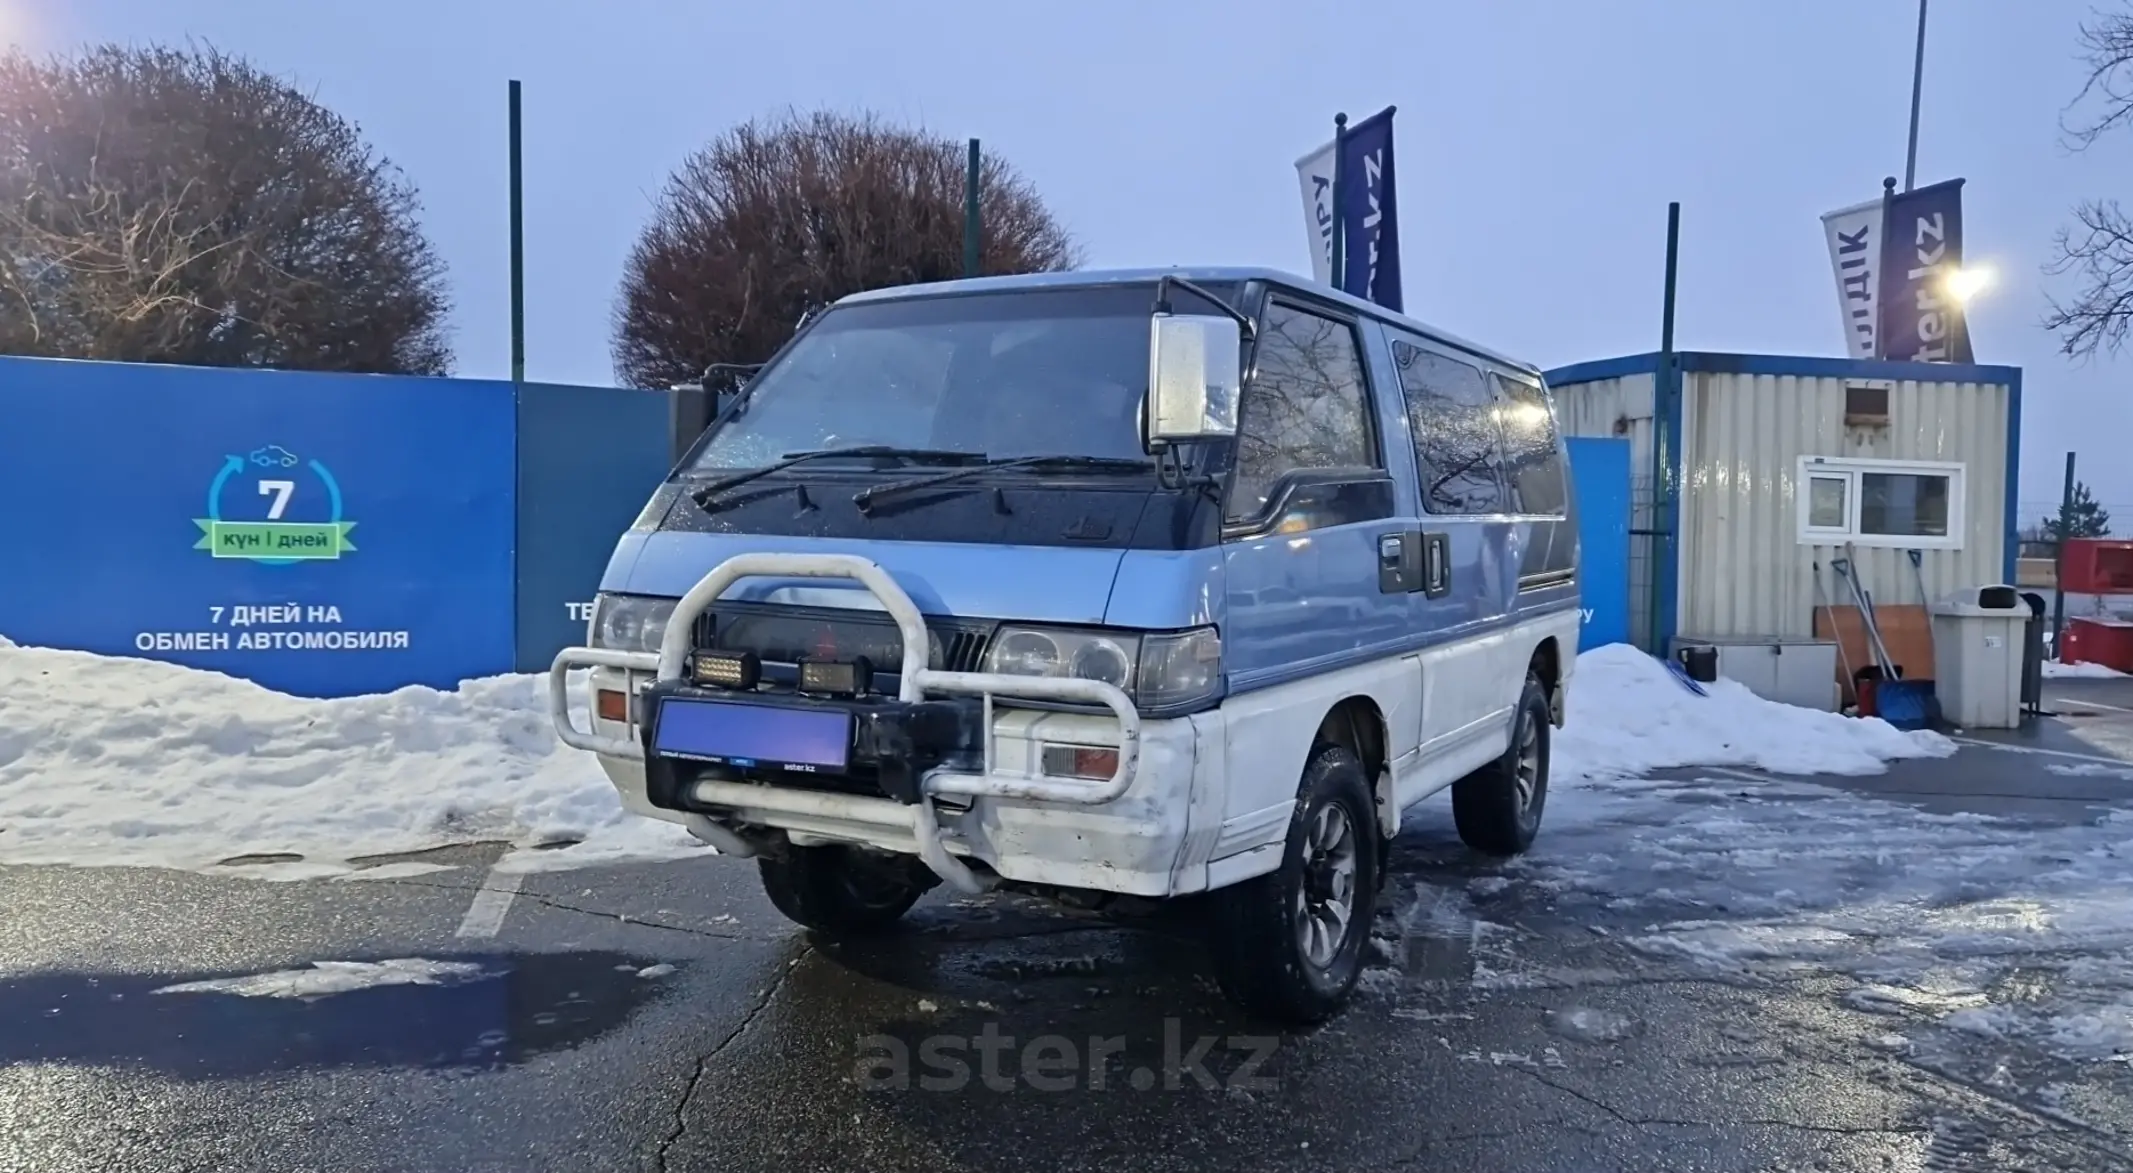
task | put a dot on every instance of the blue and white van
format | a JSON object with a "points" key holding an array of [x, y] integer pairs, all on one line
{"points": [[1157, 583]]}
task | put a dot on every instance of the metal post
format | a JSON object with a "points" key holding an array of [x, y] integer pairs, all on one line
{"points": [[2066, 527], [1673, 257], [1664, 391], [1918, 77], [690, 407], [972, 225], [518, 249], [1340, 259], [1888, 196]]}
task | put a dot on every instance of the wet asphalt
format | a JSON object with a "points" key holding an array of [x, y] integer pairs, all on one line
{"points": [[664, 1017]]}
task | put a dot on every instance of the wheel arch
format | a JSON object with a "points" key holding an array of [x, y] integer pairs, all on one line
{"points": [[1546, 663], [1357, 724]]}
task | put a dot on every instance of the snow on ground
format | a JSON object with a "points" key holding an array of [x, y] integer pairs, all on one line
{"points": [[1953, 928], [114, 761], [1629, 715], [323, 978], [2054, 670]]}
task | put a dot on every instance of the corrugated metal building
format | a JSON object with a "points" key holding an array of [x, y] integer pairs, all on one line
{"points": [[1777, 462]]}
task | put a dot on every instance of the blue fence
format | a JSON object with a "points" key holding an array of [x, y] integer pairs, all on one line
{"points": [[1599, 471], [324, 535], [588, 458], [331, 535]]}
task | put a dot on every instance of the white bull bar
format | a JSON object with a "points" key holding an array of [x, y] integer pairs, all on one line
{"points": [[917, 680]]}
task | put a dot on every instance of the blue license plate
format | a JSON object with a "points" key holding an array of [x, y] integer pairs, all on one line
{"points": [[763, 736]]}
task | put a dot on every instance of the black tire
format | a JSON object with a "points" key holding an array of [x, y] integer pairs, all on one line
{"points": [[1261, 955], [839, 891], [1498, 807]]}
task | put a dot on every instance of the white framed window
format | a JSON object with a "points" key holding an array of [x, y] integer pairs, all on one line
{"points": [[1909, 504]]}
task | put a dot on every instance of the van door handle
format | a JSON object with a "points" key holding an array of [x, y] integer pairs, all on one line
{"points": [[1396, 563], [1410, 561], [1436, 573]]}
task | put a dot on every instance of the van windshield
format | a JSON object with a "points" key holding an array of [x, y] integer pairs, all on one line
{"points": [[1014, 373]]}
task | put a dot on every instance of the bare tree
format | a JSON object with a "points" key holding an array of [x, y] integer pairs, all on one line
{"points": [[159, 205], [2098, 248], [775, 219]]}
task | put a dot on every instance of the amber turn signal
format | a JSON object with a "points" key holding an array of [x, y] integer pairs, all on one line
{"points": [[1080, 761]]}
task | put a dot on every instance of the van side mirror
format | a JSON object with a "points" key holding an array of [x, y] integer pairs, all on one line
{"points": [[1195, 377]]}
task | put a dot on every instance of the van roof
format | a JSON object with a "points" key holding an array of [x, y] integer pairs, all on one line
{"points": [[1203, 274]]}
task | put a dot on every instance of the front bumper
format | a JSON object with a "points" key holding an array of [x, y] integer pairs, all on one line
{"points": [[1135, 844], [936, 780]]}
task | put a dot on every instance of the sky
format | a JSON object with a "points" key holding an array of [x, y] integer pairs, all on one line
{"points": [[1539, 142]]}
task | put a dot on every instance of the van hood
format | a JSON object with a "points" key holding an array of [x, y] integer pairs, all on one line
{"points": [[1041, 584]]}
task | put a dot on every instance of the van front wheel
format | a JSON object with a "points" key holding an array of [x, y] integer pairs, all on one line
{"points": [[839, 891], [1498, 807], [1289, 944]]}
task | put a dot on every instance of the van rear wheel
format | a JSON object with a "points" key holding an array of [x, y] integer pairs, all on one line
{"points": [[1498, 807], [840, 891], [1289, 944]]}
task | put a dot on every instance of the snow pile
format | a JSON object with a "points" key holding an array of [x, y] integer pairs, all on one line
{"points": [[1629, 715], [323, 978], [2054, 670], [114, 761]]}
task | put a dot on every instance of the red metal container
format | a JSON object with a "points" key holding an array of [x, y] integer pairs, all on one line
{"points": [[2098, 566], [2108, 642]]}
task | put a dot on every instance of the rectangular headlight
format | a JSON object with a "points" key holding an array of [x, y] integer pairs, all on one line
{"points": [[629, 623], [1159, 671], [1179, 668]]}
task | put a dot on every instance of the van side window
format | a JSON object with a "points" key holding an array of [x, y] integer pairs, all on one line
{"points": [[1452, 411], [1532, 461], [1304, 408]]}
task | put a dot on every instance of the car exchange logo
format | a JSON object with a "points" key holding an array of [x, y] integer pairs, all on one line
{"points": [[1056, 1063]]}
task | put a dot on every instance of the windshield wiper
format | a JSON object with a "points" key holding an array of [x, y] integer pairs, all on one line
{"points": [[705, 493], [866, 497]]}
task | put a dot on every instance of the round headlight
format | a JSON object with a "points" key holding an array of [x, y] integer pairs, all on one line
{"points": [[631, 623], [620, 626], [1028, 653], [1100, 659]]}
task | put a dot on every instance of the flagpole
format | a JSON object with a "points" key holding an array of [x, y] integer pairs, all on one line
{"points": [[1340, 132], [518, 248], [1888, 196], [1918, 76], [972, 238]]}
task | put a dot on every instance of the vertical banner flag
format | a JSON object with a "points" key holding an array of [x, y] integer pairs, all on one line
{"points": [[1921, 247], [1368, 216], [1315, 172], [1855, 256]]}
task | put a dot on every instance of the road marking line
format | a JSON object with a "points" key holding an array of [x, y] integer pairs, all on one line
{"points": [[491, 901], [2071, 702], [2056, 753], [1742, 775]]}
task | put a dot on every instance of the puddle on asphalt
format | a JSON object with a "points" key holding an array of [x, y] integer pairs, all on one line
{"points": [[463, 1013]]}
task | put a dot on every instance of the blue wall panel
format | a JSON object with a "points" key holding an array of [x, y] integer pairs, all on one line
{"points": [[324, 535], [1599, 468], [331, 535], [588, 459]]}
